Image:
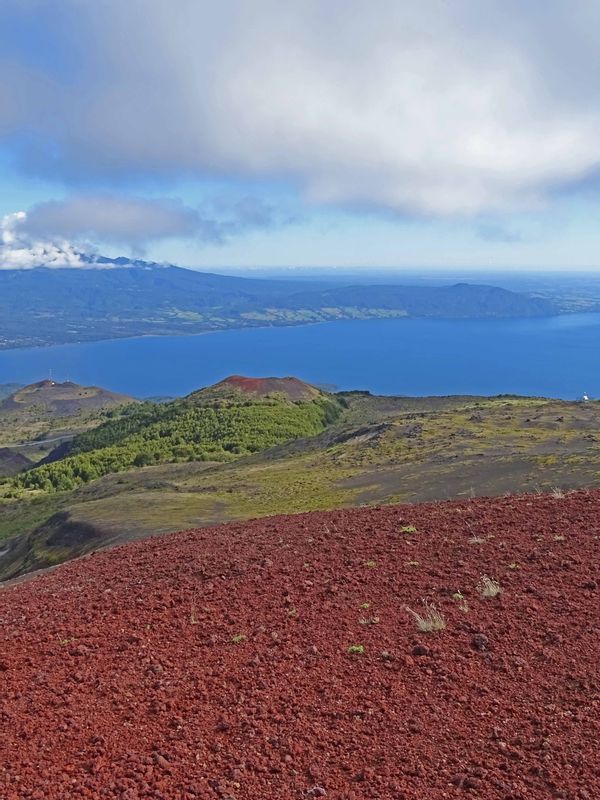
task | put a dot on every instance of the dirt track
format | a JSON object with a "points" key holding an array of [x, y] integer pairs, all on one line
{"points": [[215, 664]]}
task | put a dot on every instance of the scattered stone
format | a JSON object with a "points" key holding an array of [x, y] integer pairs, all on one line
{"points": [[181, 713], [480, 642], [161, 761], [421, 650]]}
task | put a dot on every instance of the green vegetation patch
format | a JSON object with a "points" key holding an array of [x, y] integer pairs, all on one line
{"points": [[185, 430]]}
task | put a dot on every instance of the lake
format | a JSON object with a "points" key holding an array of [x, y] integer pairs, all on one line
{"points": [[555, 357]]}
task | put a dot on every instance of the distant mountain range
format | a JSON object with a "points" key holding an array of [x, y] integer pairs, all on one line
{"points": [[133, 298]]}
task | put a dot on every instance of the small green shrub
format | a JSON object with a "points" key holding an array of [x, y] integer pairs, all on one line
{"points": [[408, 529], [356, 649]]}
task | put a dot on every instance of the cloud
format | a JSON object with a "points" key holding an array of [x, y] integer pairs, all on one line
{"points": [[19, 251], [228, 217], [435, 108], [132, 221], [137, 221], [58, 233]]}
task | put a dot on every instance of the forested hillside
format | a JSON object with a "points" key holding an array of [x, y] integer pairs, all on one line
{"points": [[202, 427]]}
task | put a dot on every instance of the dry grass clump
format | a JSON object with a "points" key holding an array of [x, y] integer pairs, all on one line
{"points": [[459, 598], [488, 587], [557, 493], [430, 620], [368, 621]]}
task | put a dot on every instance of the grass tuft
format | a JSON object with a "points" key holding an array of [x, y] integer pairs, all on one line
{"points": [[459, 599], [488, 587], [430, 620]]}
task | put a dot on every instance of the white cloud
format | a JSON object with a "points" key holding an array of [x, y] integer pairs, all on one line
{"points": [[19, 251], [57, 233], [433, 107]]}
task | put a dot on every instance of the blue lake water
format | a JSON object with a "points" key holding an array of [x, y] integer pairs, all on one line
{"points": [[556, 357]]}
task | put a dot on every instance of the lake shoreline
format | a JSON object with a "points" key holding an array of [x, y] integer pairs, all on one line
{"points": [[12, 348], [531, 357]]}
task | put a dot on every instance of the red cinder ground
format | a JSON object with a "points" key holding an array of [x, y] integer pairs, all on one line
{"points": [[213, 663], [294, 388]]}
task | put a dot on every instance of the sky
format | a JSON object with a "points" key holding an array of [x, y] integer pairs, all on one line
{"points": [[261, 133]]}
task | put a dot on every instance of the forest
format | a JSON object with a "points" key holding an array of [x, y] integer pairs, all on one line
{"points": [[184, 430]]}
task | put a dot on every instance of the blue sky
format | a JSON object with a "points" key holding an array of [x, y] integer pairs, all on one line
{"points": [[260, 133]]}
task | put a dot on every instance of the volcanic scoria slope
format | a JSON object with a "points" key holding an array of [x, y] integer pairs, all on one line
{"points": [[277, 659]]}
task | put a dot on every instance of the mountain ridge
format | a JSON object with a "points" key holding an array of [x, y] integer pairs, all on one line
{"points": [[142, 298]]}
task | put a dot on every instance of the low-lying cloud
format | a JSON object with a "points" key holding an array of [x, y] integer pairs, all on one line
{"points": [[58, 233], [18, 250], [436, 108]]}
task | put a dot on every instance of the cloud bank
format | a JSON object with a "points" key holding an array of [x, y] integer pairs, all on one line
{"points": [[18, 250], [435, 108], [58, 233]]}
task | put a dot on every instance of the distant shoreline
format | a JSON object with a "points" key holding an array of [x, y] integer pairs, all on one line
{"points": [[17, 348]]}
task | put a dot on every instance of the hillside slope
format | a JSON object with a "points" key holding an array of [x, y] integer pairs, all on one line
{"points": [[278, 659], [12, 462], [37, 417], [9, 388], [379, 450], [53, 399], [461, 300], [234, 418]]}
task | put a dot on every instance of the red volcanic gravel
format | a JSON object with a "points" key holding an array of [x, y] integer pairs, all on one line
{"points": [[214, 663], [292, 387]]}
